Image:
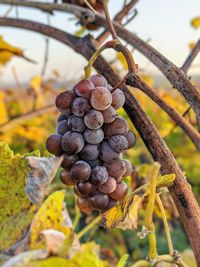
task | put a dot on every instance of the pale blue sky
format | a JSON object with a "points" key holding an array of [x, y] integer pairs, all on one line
{"points": [[165, 22]]}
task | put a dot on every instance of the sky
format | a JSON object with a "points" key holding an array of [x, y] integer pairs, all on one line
{"points": [[166, 23]]}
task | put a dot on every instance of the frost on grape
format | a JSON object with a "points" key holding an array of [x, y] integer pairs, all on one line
{"points": [[15, 209]]}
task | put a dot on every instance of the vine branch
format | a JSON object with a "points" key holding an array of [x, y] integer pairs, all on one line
{"points": [[181, 190]]}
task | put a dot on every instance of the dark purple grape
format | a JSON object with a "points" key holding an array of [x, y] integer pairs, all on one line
{"points": [[99, 175], [84, 205], [64, 101], [118, 127], [101, 98], [109, 87], [68, 160], [80, 106], [120, 192], [94, 163], [84, 88], [76, 124], [116, 168], [90, 152], [66, 178], [99, 201], [93, 119], [80, 171], [62, 127], [86, 189], [109, 186], [93, 136], [118, 143], [62, 117], [109, 115], [118, 99], [98, 80], [130, 136], [53, 144], [107, 154], [72, 142], [129, 168], [112, 202]]}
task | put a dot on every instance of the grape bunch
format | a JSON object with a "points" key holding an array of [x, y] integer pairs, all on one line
{"points": [[92, 137]]}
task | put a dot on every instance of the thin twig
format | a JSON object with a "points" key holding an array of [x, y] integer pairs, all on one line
{"points": [[109, 20], [25, 117], [166, 226], [89, 227], [193, 53]]}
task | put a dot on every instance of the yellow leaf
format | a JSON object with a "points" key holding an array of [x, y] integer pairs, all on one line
{"points": [[51, 215], [3, 109], [122, 262], [148, 79], [36, 84], [7, 51], [192, 45], [15, 208], [80, 32], [125, 214], [195, 22]]}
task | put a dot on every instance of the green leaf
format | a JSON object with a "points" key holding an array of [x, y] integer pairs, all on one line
{"points": [[15, 208], [122, 262]]}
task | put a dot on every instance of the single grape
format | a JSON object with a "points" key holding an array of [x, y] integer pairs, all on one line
{"points": [[130, 136], [53, 144], [84, 88], [80, 106], [129, 168], [72, 142], [99, 175], [116, 168], [93, 137], [80, 171], [120, 192], [90, 152], [66, 178], [99, 201], [118, 143], [107, 154], [109, 115], [109, 186], [94, 163], [109, 87], [62, 117], [76, 124], [101, 98], [112, 202], [68, 160], [118, 99], [118, 127], [86, 188], [62, 127], [98, 80], [93, 119], [64, 101], [84, 205]]}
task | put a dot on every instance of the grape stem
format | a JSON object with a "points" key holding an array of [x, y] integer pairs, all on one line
{"points": [[110, 24], [89, 227], [150, 208], [119, 47], [166, 226]]}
